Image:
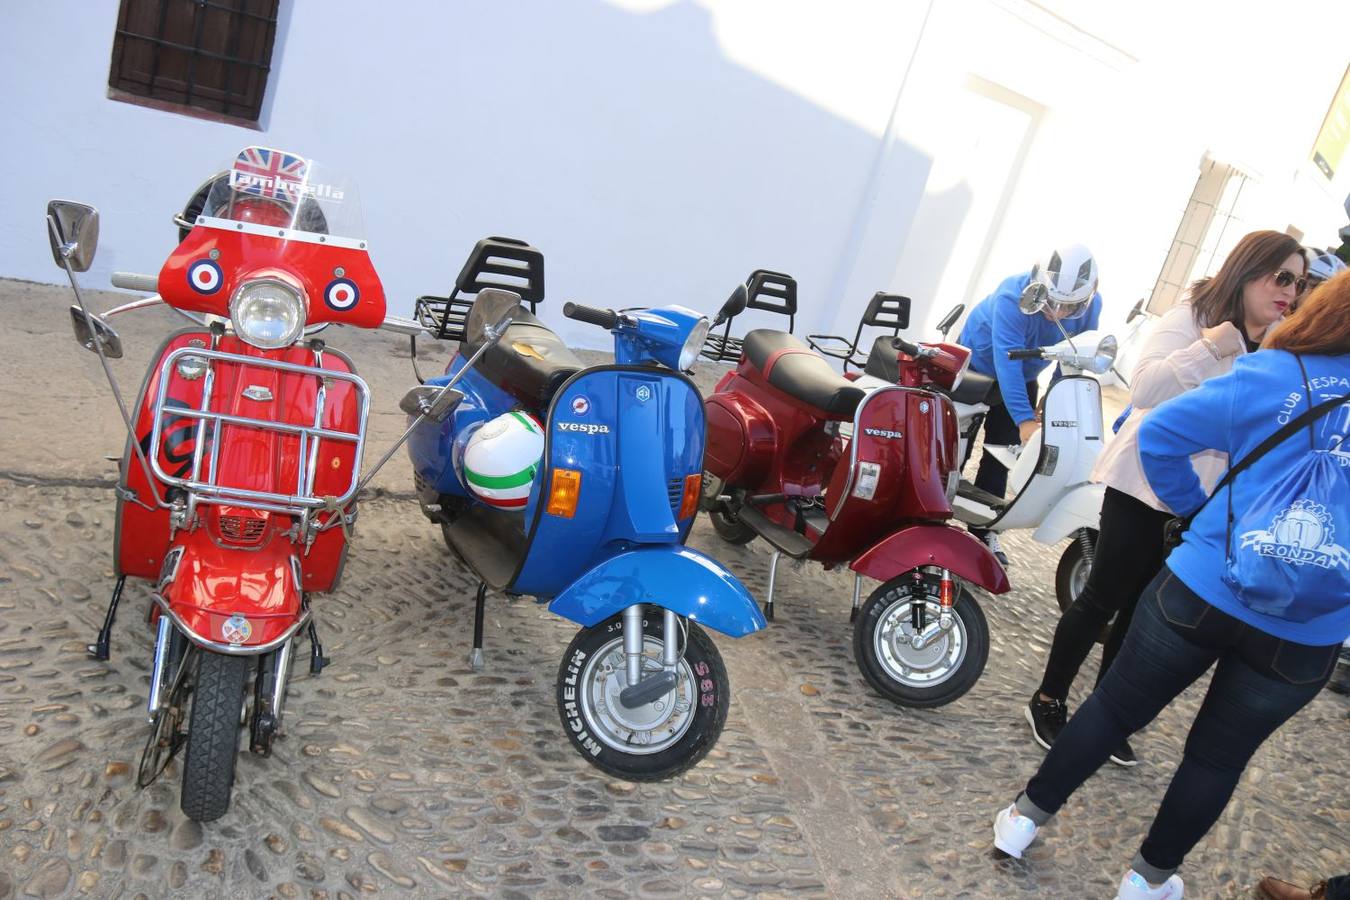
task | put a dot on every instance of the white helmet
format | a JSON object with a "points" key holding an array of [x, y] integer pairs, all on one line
{"points": [[1322, 264], [1068, 276], [501, 459]]}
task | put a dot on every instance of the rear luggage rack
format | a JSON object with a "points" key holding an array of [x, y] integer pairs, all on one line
{"points": [[495, 262]]}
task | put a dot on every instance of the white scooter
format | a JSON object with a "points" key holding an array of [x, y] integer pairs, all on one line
{"points": [[1049, 476]]}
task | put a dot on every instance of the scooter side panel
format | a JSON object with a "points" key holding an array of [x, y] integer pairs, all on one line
{"points": [[1079, 508], [931, 544], [433, 448], [213, 584], [740, 439], [676, 578]]}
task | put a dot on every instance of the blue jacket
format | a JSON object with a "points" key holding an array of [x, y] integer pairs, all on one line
{"points": [[996, 326], [1234, 413]]}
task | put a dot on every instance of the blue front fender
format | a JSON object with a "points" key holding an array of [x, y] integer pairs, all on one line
{"points": [[674, 577]]}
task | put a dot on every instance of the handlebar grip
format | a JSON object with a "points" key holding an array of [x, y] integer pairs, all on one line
{"points": [[605, 318], [906, 347], [1028, 353], [133, 282]]}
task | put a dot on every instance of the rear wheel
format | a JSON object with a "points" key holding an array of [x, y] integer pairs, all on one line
{"points": [[213, 734], [944, 666], [656, 740]]}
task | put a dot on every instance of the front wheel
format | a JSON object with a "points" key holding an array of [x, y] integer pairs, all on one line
{"points": [[213, 734], [945, 665], [656, 740]]}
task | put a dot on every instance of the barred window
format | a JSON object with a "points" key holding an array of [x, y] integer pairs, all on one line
{"points": [[200, 57]]}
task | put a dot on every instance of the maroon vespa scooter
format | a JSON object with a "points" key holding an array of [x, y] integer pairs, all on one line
{"points": [[802, 457]]}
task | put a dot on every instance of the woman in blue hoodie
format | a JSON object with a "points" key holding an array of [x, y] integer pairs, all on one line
{"points": [[1269, 658]]}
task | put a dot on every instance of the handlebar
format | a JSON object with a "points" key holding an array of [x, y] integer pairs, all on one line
{"points": [[1028, 353], [605, 318], [134, 282], [914, 350]]}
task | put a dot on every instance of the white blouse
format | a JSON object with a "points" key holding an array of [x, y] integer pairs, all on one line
{"points": [[1174, 361]]}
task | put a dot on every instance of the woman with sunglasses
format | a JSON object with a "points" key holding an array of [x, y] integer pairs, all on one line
{"points": [[1223, 318]]}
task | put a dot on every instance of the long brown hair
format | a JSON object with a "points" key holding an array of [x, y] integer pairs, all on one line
{"points": [[1219, 299], [1322, 323]]}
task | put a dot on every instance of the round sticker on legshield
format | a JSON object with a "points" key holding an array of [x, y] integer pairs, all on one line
{"points": [[205, 276], [580, 405], [341, 294]]}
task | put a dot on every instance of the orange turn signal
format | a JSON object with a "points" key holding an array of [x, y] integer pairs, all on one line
{"points": [[693, 486], [564, 493]]}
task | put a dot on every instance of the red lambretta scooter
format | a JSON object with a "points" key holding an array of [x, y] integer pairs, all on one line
{"points": [[781, 467], [239, 481]]}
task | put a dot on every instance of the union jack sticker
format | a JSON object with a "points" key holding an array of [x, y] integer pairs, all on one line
{"points": [[269, 173]]}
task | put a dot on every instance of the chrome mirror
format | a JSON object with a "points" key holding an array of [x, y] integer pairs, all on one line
{"points": [[436, 403], [89, 327], [1033, 298], [73, 232]]}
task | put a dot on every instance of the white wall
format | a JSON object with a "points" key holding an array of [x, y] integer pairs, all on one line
{"points": [[648, 163], [659, 150]]}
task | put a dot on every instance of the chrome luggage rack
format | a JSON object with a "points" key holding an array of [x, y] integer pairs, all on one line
{"points": [[203, 487]]}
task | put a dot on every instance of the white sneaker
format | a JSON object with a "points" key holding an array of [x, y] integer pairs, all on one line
{"points": [[1014, 832], [991, 541], [1134, 887]]}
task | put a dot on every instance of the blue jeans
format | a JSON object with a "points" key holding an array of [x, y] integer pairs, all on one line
{"points": [[1259, 682]]}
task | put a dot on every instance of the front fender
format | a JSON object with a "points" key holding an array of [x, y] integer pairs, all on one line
{"points": [[237, 600], [670, 576], [933, 545], [1079, 508]]}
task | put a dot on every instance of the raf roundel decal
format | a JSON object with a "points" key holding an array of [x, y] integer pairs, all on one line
{"points": [[205, 276], [341, 294], [580, 405]]}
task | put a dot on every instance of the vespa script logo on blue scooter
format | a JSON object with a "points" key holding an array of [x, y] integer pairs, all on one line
{"points": [[583, 427]]}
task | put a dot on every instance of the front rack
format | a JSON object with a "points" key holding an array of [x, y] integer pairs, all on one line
{"points": [[203, 486]]}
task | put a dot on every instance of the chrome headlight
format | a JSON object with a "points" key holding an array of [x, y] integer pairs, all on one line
{"points": [[693, 345], [268, 313]]}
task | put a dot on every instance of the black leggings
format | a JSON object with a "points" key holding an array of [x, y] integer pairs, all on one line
{"points": [[1129, 553], [999, 430]]}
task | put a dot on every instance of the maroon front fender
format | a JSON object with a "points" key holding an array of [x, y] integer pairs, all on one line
{"points": [[933, 545]]}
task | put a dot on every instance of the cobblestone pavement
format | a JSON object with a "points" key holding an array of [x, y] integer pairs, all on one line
{"points": [[404, 772]]}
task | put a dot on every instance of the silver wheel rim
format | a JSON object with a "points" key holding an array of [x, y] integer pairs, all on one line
{"points": [[924, 668], [1078, 578], [650, 728]]}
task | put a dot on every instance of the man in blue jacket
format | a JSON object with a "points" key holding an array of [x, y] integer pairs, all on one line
{"points": [[1066, 280]]}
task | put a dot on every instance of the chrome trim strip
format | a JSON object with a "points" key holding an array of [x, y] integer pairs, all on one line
{"points": [[157, 668], [230, 649], [288, 234]]}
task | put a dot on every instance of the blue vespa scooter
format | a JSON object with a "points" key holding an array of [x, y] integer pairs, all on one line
{"points": [[641, 690]]}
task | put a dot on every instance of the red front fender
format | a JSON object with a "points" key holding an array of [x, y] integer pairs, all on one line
{"points": [[243, 597], [933, 545]]}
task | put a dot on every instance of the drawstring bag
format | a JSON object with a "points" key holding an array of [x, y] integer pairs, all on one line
{"points": [[1288, 552]]}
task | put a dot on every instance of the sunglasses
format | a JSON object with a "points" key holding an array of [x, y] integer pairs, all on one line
{"points": [[1284, 278]]}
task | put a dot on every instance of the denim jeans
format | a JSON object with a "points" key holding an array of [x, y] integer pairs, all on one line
{"points": [[1259, 682]]}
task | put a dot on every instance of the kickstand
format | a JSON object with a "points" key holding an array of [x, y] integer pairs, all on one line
{"points": [[317, 661], [476, 656], [100, 648]]}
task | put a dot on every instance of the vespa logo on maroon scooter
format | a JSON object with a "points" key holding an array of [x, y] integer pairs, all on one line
{"points": [[883, 433]]}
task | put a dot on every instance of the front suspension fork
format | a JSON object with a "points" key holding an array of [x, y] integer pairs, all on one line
{"points": [[642, 691]]}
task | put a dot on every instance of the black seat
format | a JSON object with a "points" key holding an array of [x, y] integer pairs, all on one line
{"points": [[530, 362], [795, 370], [974, 388]]}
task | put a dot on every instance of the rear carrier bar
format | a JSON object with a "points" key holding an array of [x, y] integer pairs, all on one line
{"points": [[204, 488]]}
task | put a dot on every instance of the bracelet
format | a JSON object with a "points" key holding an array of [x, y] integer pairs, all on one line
{"points": [[1212, 347]]}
